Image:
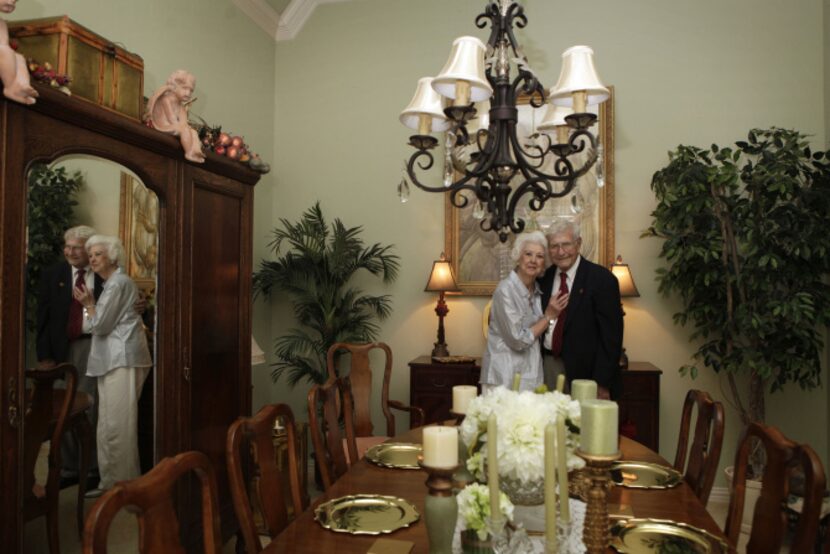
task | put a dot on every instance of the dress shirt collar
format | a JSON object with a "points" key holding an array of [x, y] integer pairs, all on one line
{"points": [[517, 282], [571, 272]]}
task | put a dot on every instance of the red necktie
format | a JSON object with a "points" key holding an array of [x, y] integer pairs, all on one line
{"points": [[75, 323], [558, 329]]}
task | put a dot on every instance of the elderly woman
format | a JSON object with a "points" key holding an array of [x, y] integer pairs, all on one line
{"points": [[517, 320], [119, 357]]}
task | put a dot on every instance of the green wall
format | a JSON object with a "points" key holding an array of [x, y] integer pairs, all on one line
{"points": [[684, 72]]}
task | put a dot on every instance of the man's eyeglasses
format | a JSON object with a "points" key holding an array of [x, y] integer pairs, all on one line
{"points": [[562, 246]]}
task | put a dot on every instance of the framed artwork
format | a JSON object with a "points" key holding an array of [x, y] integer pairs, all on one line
{"points": [[138, 230], [479, 260]]}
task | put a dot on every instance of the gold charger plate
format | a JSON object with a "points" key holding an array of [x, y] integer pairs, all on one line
{"points": [[395, 455], [661, 536], [366, 514], [643, 475]]}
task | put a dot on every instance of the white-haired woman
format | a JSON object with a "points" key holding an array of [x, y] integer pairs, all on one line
{"points": [[517, 319], [119, 358]]}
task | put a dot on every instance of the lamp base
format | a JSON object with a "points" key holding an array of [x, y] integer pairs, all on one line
{"points": [[440, 350]]}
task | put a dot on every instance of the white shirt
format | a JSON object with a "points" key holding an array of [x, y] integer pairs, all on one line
{"points": [[557, 282], [89, 283]]}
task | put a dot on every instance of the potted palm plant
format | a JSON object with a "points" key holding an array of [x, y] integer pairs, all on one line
{"points": [[747, 250], [315, 266]]}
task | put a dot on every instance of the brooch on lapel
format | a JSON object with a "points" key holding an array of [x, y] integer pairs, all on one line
{"points": [[60, 283], [581, 291]]}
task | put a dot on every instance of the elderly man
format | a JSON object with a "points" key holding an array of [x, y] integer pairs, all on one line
{"points": [[63, 333], [585, 341]]}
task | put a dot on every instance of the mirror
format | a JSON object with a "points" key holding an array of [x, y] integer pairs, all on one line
{"points": [[111, 199]]}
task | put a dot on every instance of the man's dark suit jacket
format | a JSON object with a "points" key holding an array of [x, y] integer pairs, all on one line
{"points": [[54, 295], [592, 339]]}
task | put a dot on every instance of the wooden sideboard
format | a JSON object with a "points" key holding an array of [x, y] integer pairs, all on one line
{"points": [[430, 388]]}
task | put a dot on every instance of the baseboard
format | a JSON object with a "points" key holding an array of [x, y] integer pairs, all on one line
{"points": [[719, 495]]}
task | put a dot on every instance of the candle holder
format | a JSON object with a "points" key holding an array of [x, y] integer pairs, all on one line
{"points": [[440, 508], [597, 475], [459, 418]]}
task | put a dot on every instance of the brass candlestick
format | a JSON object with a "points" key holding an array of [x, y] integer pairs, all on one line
{"points": [[440, 508], [596, 534]]}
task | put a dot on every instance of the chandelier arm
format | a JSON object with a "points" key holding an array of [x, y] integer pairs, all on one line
{"points": [[515, 16]]}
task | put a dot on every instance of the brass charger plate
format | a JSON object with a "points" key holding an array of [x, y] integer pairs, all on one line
{"points": [[660, 536], [643, 475], [366, 514], [395, 455]]}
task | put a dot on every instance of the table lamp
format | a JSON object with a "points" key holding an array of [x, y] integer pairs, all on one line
{"points": [[441, 280], [627, 290]]}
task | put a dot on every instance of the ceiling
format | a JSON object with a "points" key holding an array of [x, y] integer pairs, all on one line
{"points": [[281, 19]]}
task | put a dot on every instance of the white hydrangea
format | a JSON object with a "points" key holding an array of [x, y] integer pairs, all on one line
{"points": [[522, 417]]}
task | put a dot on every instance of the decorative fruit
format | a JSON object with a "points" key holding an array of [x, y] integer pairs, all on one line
{"points": [[220, 150], [233, 152], [237, 141], [224, 139]]}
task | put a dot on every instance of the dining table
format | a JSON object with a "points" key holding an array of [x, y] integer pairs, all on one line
{"points": [[307, 536]]}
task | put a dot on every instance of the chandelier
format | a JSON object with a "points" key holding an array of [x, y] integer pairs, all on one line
{"points": [[492, 163]]}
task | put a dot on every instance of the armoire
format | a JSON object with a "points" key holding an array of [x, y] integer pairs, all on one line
{"points": [[202, 378]]}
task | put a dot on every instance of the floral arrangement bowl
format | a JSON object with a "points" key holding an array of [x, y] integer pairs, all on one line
{"points": [[522, 417], [474, 510]]}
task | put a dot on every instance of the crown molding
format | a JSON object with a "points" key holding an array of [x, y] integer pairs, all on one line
{"points": [[283, 26]]}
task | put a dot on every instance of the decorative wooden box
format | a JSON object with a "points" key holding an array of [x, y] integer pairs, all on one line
{"points": [[100, 71]]}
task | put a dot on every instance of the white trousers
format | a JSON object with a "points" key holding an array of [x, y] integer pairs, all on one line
{"points": [[117, 433]]}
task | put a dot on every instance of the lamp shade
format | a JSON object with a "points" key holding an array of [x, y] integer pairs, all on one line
{"points": [[554, 116], [425, 102], [623, 274], [441, 279], [578, 74], [257, 355], [466, 63]]}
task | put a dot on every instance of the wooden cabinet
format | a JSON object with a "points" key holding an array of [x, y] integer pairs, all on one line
{"points": [[430, 388], [202, 366]]}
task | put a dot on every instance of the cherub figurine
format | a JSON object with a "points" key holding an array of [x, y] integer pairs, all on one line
{"points": [[13, 70], [167, 111]]}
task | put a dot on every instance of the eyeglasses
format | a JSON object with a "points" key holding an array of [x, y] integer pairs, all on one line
{"points": [[562, 246], [73, 248]]}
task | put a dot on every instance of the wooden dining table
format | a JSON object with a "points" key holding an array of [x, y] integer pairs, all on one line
{"points": [[306, 536]]}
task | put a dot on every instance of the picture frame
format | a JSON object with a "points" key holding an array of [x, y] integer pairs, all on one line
{"points": [[138, 230], [478, 257]]}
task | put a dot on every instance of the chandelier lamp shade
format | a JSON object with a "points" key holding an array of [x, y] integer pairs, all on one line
{"points": [[500, 170]]}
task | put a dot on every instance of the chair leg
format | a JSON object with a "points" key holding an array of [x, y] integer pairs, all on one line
{"points": [[83, 433], [52, 523]]}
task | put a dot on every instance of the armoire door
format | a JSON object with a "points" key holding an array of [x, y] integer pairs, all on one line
{"points": [[216, 324]]}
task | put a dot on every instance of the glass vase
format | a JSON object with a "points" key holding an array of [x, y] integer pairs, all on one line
{"points": [[471, 544]]}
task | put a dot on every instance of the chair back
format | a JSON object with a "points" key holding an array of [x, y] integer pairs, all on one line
{"points": [[326, 403], [704, 451], [255, 435], [151, 499], [769, 522], [359, 380]]}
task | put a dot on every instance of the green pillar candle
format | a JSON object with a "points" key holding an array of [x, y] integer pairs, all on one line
{"points": [[599, 430], [550, 489], [583, 389]]}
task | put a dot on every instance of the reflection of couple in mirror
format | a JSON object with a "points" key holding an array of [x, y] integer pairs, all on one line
{"points": [[89, 314], [13, 70]]}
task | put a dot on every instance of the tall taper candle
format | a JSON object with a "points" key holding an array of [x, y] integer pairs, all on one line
{"points": [[560, 382], [550, 489], [583, 389], [461, 396], [517, 381], [493, 466], [599, 435], [562, 467]]}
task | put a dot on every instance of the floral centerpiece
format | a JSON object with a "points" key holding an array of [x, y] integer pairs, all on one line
{"points": [[522, 417], [474, 509]]}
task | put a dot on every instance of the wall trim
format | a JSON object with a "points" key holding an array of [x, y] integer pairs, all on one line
{"points": [[262, 14], [283, 26], [719, 495]]}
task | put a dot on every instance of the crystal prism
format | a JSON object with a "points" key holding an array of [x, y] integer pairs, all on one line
{"points": [[403, 190]]}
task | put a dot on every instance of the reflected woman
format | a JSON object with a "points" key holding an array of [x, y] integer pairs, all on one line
{"points": [[119, 357], [517, 320]]}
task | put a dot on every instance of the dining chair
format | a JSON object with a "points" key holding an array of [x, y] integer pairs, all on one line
{"points": [[704, 451], [150, 498], [769, 521], [359, 380], [326, 404], [254, 435], [43, 421]]}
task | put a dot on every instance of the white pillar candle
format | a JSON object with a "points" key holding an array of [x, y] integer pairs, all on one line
{"points": [[599, 434], [583, 389], [550, 489], [461, 396], [440, 446], [562, 468], [493, 466]]}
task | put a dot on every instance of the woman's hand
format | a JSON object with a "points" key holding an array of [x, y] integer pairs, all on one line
{"points": [[84, 296], [556, 305]]}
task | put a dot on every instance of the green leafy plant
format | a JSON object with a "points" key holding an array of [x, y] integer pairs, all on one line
{"points": [[315, 270], [51, 202], [748, 251]]}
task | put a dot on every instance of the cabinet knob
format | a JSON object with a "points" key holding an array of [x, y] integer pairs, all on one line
{"points": [[439, 383]]}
